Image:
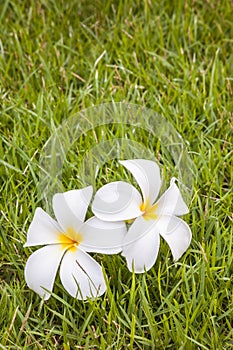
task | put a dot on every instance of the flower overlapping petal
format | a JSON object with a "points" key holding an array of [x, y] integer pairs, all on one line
{"points": [[68, 241]]}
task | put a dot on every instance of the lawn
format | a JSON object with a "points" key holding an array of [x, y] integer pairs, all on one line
{"points": [[58, 58]]}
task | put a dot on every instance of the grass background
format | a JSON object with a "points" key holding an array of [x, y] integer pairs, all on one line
{"points": [[59, 57]]}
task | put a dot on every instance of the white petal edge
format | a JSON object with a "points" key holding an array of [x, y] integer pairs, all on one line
{"points": [[147, 174], [176, 233], [138, 229], [41, 269], [43, 230], [102, 236], [81, 275], [117, 201], [142, 254], [70, 207], [171, 202]]}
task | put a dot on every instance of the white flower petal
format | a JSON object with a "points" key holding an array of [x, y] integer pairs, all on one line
{"points": [[138, 229], [70, 207], [147, 175], [81, 275], [102, 237], [142, 254], [43, 230], [41, 269], [176, 233], [171, 202], [117, 201]]}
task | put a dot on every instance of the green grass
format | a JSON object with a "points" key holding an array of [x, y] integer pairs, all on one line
{"points": [[59, 57]]}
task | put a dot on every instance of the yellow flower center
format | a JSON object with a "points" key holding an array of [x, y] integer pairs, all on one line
{"points": [[70, 239], [149, 210]]}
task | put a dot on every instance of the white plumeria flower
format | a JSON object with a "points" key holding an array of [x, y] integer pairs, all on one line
{"points": [[121, 201], [67, 242]]}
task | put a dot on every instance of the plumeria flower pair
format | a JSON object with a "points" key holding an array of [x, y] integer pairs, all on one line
{"points": [[69, 239]]}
